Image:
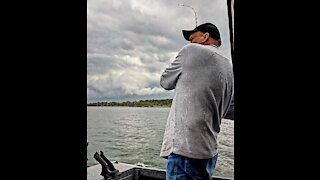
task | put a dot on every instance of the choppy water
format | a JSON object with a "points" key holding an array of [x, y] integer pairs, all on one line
{"points": [[134, 135]]}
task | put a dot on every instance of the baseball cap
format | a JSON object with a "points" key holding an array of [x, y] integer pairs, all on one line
{"points": [[206, 27]]}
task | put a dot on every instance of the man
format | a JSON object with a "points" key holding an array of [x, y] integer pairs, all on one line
{"points": [[203, 81]]}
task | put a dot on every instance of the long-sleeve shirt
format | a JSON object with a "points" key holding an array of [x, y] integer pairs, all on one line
{"points": [[203, 82]]}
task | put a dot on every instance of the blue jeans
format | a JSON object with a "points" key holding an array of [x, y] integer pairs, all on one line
{"points": [[184, 168]]}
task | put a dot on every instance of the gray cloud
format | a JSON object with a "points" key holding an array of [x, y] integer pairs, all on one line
{"points": [[130, 42]]}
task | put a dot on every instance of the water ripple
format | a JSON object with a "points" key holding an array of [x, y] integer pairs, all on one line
{"points": [[134, 135]]}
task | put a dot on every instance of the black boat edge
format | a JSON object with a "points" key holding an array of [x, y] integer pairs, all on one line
{"points": [[133, 172]]}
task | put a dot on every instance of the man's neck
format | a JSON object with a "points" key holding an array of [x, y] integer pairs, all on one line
{"points": [[212, 42]]}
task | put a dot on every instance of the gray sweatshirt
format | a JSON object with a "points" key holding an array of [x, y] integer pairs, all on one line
{"points": [[204, 87]]}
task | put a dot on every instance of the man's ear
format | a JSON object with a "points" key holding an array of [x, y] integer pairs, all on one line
{"points": [[205, 37]]}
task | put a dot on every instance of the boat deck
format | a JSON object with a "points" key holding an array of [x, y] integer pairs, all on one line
{"points": [[132, 172]]}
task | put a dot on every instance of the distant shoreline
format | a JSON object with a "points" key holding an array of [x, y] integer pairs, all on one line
{"points": [[135, 106], [141, 103], [165, 103]]}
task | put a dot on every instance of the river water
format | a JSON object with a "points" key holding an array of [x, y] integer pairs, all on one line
{"points": [[134, 135]]}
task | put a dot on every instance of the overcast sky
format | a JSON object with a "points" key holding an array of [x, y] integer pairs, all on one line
{"points": [[131, 42]]}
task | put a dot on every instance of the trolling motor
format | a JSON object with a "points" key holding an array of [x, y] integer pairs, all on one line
{"points": [[108, 170]]}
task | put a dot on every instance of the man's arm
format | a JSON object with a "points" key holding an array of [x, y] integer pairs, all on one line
{"points": [[171, 74]]}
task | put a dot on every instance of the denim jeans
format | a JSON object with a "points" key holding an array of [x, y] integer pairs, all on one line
{"points": [[184, 168]]}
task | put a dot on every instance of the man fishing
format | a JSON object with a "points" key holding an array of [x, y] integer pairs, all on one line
{"points": [[203, 81]]}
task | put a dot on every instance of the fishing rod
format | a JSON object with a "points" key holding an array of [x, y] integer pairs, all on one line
{"points": [[195, 13]]}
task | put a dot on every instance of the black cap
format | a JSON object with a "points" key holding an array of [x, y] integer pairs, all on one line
{"points": [[206, 27]]}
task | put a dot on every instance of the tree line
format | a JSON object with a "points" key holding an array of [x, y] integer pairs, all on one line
{"points": [[141, 103], [153, 103]]}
